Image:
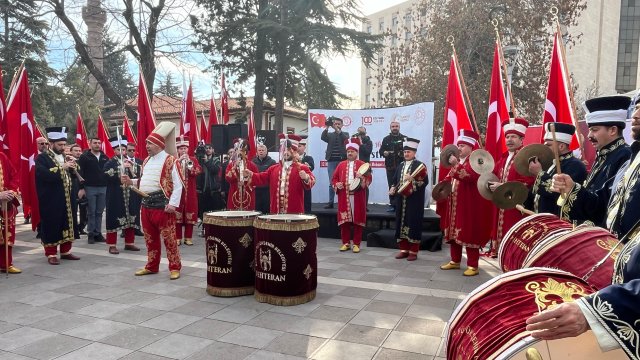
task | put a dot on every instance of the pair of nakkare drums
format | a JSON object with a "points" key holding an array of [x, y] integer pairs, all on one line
{"points": [[490, 323]]}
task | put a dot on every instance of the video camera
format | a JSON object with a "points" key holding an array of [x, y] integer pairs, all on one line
{"points": [[200, 151], [331, 119]]}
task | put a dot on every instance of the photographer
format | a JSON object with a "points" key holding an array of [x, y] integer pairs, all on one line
{"points": [[336, 151], [263, 161], [366, 148], [391, 150], [208, 183]]}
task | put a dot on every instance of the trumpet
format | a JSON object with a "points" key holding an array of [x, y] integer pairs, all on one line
{"points": [[70, 158], [189, 164]]}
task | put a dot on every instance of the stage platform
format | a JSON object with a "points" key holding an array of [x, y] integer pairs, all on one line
{"points": [[380, 228]]}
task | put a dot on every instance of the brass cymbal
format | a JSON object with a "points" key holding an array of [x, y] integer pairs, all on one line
{"points": [[483, 185], [481, 161], [447, 152], [527, 153], [441, 191], [510, 194]]}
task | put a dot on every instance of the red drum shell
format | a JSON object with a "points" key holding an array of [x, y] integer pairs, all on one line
{"points": [[524, 235], [577, 252]]}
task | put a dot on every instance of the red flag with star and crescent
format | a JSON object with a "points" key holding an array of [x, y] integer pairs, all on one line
{"points": [[253, 143], [146, 118], [128, 132], [103, 135], [3, 119], [225, 101], [498, 111], [204, 130], [81, 133]]}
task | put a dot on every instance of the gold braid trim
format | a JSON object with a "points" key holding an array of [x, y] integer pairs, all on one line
{"points": [[228, 222], [302, 225], [285, 301], [229, 292]]}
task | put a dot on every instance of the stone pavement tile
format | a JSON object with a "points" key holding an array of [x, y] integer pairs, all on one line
{"points": [[444, 285], [190, 292], [221, 300], [53, 284], [359, 292], [97, 330], [384, 271], [446, 303], [407, 281], [162, 288], [44, 298], [134, 298], [422, 344], [170, 321], [106, 293], [135, 315], [341, 350], [396, 297], [316, 327], [22, 336], [377, 278], [333, 313], [135, 337], [368, 263], [250, 336], [418, 275], [110, 270], [329, 265], [355, 268], [52, 347], [62, 322], [380, 320], [23, 314], [339, 260], [329, 288], [347, 302], [360, 334], [448, 275], [102, 309], [251, 303], [79, 288], [12, 356], [192, 281], [208, 329], [96, 351], [139, 355], [325, 272], [268, 355], [223, 351], [296, 345], [298, 310], [198, 308], [177, 346], [429, 312], [421, 326], [390, 354], [345, 274], [166, 303], [71, 304], [235, 314], [387, 307], [5, 326]]}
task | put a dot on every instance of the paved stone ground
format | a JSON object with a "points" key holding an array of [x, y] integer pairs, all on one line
{"points": [[368, 306]]}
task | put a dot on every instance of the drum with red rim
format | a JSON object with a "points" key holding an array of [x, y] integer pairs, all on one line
{"points": [[285, 258], [577, 252], [490, 322], [524, 235], [229, 252]]}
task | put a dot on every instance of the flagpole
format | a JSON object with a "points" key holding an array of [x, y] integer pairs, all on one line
{"points": [[505, 72], [554, 12], [464, 87]]}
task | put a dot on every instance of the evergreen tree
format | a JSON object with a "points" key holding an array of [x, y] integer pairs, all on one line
{"points": [[116, 70], [168, 88]]}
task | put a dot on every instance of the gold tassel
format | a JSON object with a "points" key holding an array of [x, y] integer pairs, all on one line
{"points": [[285, 301], [303, 225], [229, 292], [227, 222]]}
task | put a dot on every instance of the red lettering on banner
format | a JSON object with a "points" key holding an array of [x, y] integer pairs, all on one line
{"points": [[323, 163], [367, 120], [377, 164]]}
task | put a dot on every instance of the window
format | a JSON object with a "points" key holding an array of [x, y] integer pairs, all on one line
{"points": [[407, 71], [408, 35], [369, 80], [381, 25], [380, 60], [394, 21], [369, 29], [380, 97], [367, 99]]}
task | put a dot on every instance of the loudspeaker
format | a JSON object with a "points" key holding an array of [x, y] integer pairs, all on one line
{"points": [[236, 131], [268, 138], [218, 139]]}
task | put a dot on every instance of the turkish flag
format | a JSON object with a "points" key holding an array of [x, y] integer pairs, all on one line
{"points": [[81, 133], [557, 107], [191, 122], [225, 101], [128, 131], [3, 119], [146, 119], [204, 129], [498, 111], [103, 135], [252, 136], [317, 120], [23, 149], [213, 113]]}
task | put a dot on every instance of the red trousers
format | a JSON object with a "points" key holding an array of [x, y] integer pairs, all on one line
{"points": [[3, 264], [345, 233], [156, 223], [473, 254], [65, 248], [188, 231], [129, 237], [405, 246]]}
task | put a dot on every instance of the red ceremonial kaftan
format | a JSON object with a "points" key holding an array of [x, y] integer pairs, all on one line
{"points": [[235, 200], [291, 200], [187, 213], [346, 213]]}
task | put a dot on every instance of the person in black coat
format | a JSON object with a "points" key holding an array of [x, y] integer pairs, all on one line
{"points": [[263, 161], [208, 183], [335, 152], [307, 160], [95, 186], [391, 150]]}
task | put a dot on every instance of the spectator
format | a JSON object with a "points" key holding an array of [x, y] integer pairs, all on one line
{"points": [[336, 151]]}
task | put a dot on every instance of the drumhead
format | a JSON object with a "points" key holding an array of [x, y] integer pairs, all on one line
{"points": [[354, 185], [581, 347], [233, 214], [287, 217]]}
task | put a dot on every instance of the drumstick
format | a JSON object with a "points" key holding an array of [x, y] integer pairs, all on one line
{"points": [[563, 196], [5, 233], [523, 210]]}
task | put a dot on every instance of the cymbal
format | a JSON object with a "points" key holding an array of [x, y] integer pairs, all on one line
{"points": [[526, 154], [441, 191], [481, 161], [483, 185], [510, 194], [447, 152]]}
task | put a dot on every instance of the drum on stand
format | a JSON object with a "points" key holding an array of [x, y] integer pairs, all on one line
{"points": [[229, 252], [524, 235], [577, 252], [490, 322], [286, 265]]}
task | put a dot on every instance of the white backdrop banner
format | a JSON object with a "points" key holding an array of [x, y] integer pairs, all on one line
{"points": [[416, 121]]}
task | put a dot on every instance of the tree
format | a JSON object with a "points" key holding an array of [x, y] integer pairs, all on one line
{"points": [[116, 70], [418, 66], [168, 88], [278, 42]]}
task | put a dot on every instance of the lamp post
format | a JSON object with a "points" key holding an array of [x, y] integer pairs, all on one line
{"points": [[510, 52]]}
